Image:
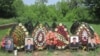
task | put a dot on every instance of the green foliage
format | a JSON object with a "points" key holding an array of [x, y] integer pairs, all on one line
{"points": [[94, 9], [64, 10], [6, 8], [19, 7], [63, 7]]}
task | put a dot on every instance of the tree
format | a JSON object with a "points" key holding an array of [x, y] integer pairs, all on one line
{"points": [[6, 8], [40, 9], [63, 7], [94, 8], [19, 7]]}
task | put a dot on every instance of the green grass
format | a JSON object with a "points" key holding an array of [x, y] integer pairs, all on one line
{"points": [[3, 33], [96, 28], [6, 21], [4, 53]]}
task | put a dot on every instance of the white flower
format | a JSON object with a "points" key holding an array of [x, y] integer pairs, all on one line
{"points": [[20, 24], [18, 47], [24, 29], [22, 46], [83, 25], [60, 24], [26, 33], [63, 47], [65, 29]]}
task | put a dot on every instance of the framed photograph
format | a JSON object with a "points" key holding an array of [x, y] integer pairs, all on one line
{"points": [[28, 44], [9, 45], [74, 42], [74, 39]]}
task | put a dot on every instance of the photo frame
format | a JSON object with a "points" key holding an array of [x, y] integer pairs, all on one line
{"points": [[72, 37], [29, 44], [74, 42], [9, 45]]}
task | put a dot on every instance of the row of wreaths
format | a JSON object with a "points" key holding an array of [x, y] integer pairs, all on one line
{"points": [[43, 36]]}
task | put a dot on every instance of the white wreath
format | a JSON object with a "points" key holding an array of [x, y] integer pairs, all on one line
{"points": [[35, 37]]}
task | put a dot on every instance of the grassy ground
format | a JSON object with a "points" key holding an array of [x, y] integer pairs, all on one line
{"points": [[55, 53], [47, 53], [6, 21], [3, 33]]}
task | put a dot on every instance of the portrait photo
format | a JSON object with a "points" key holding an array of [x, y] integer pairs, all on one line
{"points": [[74, 39], [9, 45], [74, 42], [29, 44]]}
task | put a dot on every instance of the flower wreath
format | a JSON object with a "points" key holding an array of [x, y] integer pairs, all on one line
{"points": [[62, 35], [39, 41], [18, 35], [81, 29]]}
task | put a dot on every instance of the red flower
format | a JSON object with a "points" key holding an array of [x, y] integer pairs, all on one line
{"points": [[3, 42], [51, 38]]}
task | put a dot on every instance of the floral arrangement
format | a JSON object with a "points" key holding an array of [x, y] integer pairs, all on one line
{"points": [[51, 38], [18, 34], [62, 36], [80, 32], [39, 37]]}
